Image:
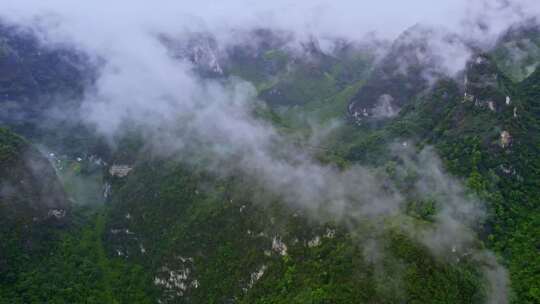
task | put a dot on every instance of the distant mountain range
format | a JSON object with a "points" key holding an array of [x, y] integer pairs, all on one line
{"points": [[161, 229]]}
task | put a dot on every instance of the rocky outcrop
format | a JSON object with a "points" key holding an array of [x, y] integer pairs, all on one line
{"points": [[120, 170], [506, 139]]}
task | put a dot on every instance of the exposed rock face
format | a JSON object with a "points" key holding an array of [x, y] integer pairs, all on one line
{"points": [[384, 108], [120, 170], [199, 48], [315, 242], [468, 97], [106, 190], [481, 85], [256, 276], [176, 281], [506, 139], [278, 246], [491, 105], [57, 213], [403, 73]]}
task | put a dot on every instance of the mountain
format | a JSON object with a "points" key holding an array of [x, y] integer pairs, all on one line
{"points": [[486, 132], [41, 87], [208, 241], [34, 75], [33, 205], [92, 223], [518, 50], [412, 64]]}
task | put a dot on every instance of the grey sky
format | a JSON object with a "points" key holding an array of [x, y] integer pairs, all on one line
{"points": [[345, 18]]}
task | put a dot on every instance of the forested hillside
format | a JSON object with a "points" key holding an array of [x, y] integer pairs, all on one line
{"points": [[356, 173]]}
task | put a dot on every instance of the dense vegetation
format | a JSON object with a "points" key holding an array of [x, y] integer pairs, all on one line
{"points": [[224, 248], [33, 206], [175, 232]]}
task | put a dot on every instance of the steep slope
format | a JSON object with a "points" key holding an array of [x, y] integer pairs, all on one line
{"points": [[36, 78], [205, 240], [496, 147], [487, 133], [177, 233], [285, 71], [518, 50], [51, 249], [402, 74], [41, 89], [32, 205], [316, 75]]}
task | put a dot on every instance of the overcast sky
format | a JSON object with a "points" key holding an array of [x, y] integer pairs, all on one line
{"points": [[349, 18]]}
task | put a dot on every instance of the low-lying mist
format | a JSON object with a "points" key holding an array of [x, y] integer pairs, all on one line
{"points": [[187, 116]]}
